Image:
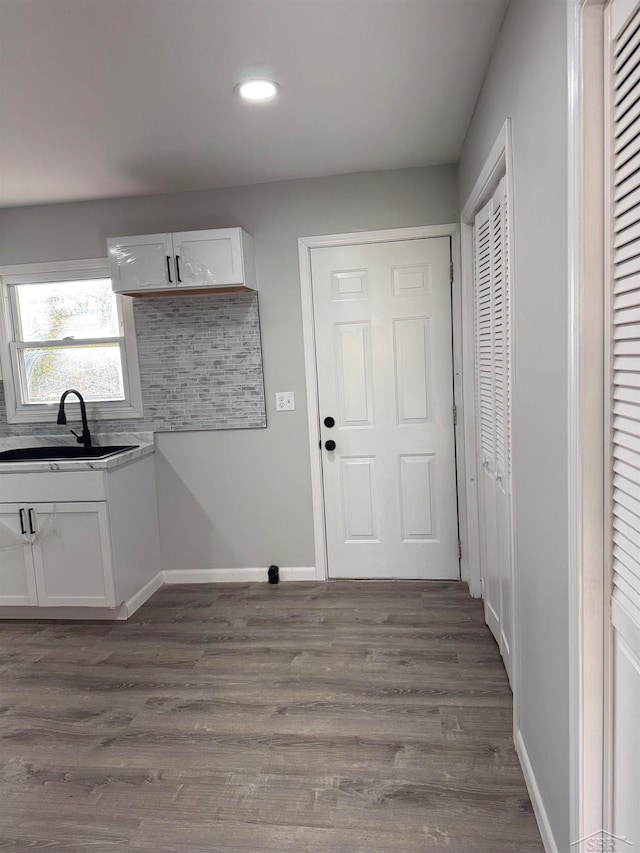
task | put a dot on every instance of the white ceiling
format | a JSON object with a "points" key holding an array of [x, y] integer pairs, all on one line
{"points": [[129, 97]]}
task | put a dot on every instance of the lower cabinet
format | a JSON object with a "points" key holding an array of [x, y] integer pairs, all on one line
{"points": [[78, 540], [17, 572], [56, 555]]}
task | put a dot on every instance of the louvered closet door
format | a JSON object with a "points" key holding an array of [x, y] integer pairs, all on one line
{"points": [[624, 414], [502, 404], [486, 419], [491, 280]]}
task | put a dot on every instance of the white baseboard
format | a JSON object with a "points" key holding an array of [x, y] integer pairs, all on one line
{"points": [[136, 601], [536, 798], [68, 613], [287, 573], [128, 608]]}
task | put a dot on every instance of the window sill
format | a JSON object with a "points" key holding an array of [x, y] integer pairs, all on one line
{"points": [[49, 414]]}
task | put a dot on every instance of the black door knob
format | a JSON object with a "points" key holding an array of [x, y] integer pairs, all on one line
{"points": [[329, 422], [330, 445]]}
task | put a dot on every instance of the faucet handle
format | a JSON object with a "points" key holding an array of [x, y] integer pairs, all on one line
{"points": [[79, 438]]}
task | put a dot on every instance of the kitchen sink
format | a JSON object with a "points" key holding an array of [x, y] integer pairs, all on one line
{"points": [[60, 453]]}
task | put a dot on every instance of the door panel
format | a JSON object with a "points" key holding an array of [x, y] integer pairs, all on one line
{"points": [[412, 362], [72, 555], [354, 365], [626, 732], [490, 560], [416, 497], [384, 355], [503, 549], [17, 575], [359, 499], [140, 263], [208, 257]]}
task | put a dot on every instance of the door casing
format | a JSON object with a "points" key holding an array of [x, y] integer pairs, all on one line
{"points": [[305, 245], [589, 636]]}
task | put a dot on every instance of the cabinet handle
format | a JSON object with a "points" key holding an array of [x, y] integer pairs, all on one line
{"points": [[32, 525], [23, 529], [169, 268], [178, 268]]}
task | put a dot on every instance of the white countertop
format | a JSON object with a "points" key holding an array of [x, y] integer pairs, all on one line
{"points": [[143, 440]]}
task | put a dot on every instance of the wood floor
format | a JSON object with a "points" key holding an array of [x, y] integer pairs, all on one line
{"points": [[346, 716]]}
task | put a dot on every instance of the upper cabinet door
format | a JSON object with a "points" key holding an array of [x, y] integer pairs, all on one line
{"points": [[209, 258], [142, 263], [17, 575]]}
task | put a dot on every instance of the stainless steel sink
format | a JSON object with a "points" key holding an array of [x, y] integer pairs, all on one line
{"points": [[57, 454]]}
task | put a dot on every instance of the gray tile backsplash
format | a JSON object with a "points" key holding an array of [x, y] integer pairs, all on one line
{"points": [[200, 366]]}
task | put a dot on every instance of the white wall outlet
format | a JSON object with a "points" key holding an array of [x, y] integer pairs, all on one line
{"points": [[285, 401]]}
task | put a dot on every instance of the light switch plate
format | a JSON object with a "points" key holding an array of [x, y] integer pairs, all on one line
{"points": [[285, 401]]}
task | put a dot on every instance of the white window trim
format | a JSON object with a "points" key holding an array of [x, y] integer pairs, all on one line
{"points": [[18, 413]]}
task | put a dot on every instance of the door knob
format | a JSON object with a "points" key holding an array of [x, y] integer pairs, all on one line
{"points": [[330, 445], [329, 422]]}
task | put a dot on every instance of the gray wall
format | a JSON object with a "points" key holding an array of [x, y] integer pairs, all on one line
{"points": [[527, 81], [242, 497]]}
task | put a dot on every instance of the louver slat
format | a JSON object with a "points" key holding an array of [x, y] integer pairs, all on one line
{"points": [[625, 314], [491, 297], [484, 343], [499, 330]]}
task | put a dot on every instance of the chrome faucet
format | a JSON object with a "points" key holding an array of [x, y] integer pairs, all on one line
{"points": [[85, 438]]}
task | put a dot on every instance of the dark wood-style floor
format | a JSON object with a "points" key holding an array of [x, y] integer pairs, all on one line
{"points": [[347, 716]]}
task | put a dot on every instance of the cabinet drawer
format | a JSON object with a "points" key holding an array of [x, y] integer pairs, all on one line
{"points": [[53, 487]]}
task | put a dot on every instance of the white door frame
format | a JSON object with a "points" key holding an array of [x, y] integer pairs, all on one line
{"points": [[498, 164], [305, 245], [586, 407]]}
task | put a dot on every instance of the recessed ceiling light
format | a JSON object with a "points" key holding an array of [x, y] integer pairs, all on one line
{"points": [[257, 90]]}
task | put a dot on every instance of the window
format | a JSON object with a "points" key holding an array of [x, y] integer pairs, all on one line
{"points": [[65, 328]]}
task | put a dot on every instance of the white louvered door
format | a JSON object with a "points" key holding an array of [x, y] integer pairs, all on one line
{"points": [[623, 296], [491, 290]]}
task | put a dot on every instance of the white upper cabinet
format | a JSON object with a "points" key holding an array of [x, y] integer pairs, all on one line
{"points": [[219, 259], [141, 263], [209, 258]]}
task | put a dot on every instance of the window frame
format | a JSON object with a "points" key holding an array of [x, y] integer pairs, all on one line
{"points": [[18, 411]]}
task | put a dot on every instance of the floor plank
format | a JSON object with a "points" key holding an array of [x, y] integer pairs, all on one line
{"points": [[245, 718]]}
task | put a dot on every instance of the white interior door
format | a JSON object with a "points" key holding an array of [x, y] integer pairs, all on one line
{"points": [[493, 416], [385, 376], [623, 294]]}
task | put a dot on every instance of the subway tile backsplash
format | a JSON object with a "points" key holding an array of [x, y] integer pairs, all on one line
{"points": [[200, 367]]}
